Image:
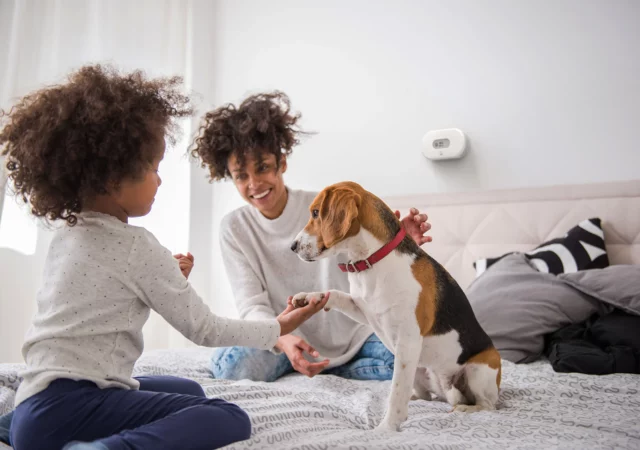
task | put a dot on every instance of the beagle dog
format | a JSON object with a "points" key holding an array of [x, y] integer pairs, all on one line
{"points": [[413, 304]]}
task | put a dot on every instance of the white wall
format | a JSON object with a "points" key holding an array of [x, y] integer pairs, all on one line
{"points": [[548, 92]]}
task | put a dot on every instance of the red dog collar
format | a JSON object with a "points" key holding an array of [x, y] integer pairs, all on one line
{"points": [[365, 264]]}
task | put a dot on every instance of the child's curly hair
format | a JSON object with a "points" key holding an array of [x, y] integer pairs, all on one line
{"points": [[69, 142], [263, 123]]}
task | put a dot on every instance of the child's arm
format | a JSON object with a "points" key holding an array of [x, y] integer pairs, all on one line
{"points": [[158, 282]]}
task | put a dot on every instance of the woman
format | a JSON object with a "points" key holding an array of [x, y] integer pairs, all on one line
{"points": [[250, 145]]}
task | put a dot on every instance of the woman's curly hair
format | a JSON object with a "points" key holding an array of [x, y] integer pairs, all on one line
{"points": [[69, 142], [263, 123]]}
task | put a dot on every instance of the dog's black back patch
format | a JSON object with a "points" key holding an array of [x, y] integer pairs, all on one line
{"points": [[453, 311]]}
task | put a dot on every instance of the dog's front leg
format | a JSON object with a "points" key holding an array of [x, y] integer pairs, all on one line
{"points": [[338, 300], [407, 354]]}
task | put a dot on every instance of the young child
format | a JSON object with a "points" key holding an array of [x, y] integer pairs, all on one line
{"points": [[86, 153]]}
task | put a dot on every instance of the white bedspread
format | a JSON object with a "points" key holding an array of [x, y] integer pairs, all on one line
{"points": [[538, 409]]}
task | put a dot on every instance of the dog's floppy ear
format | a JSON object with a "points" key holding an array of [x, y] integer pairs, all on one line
{"points": [[338, 214]]}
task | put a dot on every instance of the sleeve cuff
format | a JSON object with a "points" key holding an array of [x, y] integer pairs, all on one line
{"points": [[274, 333]]}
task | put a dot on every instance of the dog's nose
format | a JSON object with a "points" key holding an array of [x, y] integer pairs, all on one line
{"points": [[294, 246]]}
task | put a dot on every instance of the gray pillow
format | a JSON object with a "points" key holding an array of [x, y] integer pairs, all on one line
{"points": [[619, 285], [517, 306]]}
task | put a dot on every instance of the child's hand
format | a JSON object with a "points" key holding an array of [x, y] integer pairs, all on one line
{"points": [[292, 317], [185, 262]]}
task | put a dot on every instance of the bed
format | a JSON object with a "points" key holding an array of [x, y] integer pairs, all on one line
{"points": [[538, 407]]}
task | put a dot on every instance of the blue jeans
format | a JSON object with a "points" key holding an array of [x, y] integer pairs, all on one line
{"points": [[372, 362], [167, 413]]}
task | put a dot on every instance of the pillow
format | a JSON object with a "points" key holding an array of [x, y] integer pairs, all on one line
{"points": [[581, 248], [618, 286], [517, 305]]}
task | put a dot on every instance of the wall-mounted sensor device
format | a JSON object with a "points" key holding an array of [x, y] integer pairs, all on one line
{"points": [[444, 144]]}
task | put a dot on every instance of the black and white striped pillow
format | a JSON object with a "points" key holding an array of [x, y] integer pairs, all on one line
{"points": [[581, 248]]}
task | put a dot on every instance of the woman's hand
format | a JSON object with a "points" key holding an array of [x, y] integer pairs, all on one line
{"points": [[295, 347], [185, 262], [416, 225]]}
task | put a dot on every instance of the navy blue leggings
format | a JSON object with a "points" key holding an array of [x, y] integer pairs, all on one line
{"points": [[167, 413]]}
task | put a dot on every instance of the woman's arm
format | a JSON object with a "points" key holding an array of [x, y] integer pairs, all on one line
{"points": [[251, 298]]}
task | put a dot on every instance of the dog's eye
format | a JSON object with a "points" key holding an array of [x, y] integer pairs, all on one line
{"points": [[314, 213]]}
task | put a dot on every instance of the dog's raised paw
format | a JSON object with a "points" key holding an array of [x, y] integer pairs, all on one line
{"points": [[302, 299]]}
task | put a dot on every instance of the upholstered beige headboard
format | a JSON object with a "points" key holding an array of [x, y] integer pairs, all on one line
{"points": [[472, 225]]}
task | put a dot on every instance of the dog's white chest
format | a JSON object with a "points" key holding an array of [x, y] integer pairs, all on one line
{"points": [[387, 294]]}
